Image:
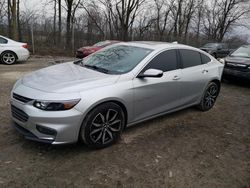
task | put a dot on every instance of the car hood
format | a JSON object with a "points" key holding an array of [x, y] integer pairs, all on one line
{"points": [[242, 60], [67, 77]]}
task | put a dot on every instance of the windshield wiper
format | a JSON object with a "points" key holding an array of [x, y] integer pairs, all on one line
{"points": [[100, 69]]}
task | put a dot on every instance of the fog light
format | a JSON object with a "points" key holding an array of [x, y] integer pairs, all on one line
{"points": [[45, 130]]}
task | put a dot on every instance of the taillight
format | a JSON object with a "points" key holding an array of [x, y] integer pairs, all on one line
{"points": [[25, 46]]}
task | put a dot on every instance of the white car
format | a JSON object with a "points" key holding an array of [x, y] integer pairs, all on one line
{"points": [[12, 51]]}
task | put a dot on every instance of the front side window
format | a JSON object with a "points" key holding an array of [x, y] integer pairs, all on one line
{"points": [[205, 59], [116, 60], [190, 58], [3, 41], [165, 61]]}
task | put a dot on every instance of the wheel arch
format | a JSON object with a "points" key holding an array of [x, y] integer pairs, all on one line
{"points": [[217, 81], [11, 52], [118, 102]]}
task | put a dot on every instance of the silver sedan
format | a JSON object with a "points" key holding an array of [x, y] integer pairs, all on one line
{"points": [[95, 98]]}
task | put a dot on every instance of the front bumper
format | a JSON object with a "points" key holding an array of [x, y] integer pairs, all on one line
{"points": [[236, 73], [61, 127]]}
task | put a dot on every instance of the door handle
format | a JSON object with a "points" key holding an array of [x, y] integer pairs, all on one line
{"points": [[205, 71], [176, 78]]}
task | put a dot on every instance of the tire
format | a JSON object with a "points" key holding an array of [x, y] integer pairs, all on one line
{"points": [[8, 57], [215, 56], [102, 126], [209, 97]]}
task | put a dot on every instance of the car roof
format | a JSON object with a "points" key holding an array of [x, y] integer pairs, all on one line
{"points": [[154, 45]]}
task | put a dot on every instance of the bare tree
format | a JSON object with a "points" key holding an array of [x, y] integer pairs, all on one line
{"points": [[71, 6], [163, 9], [12, 19], [59, 21], [221, 15]]}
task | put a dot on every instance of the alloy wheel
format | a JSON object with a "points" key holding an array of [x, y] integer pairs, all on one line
{"points": [[8, 58], [104, 126], [210, 96]]}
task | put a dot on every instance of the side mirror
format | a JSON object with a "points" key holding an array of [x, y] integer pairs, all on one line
{"points": [[153, 73]]}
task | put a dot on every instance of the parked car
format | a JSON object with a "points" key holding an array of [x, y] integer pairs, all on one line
{"points": [[12, 51], [218, 50], [87, 50], [237, 64], [94, 99]]}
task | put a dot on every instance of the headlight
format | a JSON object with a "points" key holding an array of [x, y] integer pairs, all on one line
{"points": [[55, 105], [222, 61]]}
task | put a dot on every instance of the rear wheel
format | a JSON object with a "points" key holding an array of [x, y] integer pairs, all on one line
{"points": [[8, 57], [209, 97], [103, 125]]}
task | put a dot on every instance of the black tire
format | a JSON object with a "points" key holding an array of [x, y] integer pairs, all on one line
{"points": [[209, 97], [8, 57], [215, 56], [96, 131]]}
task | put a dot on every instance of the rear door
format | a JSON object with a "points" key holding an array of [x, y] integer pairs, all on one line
{"points": [[194, 75], [156, 95]]}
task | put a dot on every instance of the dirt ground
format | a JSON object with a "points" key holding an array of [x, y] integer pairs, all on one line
{"points": [[184, 149]]}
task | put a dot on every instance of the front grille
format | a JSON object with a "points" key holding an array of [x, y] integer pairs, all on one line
{"points": [[21, 98], [19, 114]]}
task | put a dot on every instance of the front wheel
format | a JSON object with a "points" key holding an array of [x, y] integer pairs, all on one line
{"points": [[103, 125], [209, 97]]}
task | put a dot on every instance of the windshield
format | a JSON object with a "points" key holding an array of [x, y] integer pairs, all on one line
{"points": [[116, 60], [103, 43], [243, 51], [211, 45]]}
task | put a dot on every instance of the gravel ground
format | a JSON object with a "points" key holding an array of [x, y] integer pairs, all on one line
{"points": [[184, 149]]}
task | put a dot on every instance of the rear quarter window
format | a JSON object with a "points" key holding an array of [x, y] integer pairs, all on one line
{"points": [[190, 58], [3, 41], [205, 59]]}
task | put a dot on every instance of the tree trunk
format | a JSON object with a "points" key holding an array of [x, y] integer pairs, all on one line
{"points": [[59, 22], [54, 24], [68, 26], [18, 22], [9, 18]]}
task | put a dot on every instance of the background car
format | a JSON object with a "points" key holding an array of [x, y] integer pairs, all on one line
{"points": [[218, 50], [94, 99], [87, 50], [12, 51], [237, 64]]}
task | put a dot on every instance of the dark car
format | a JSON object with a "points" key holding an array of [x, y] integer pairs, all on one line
{"points": [[218, 50], [237, 64], [87, 50]]}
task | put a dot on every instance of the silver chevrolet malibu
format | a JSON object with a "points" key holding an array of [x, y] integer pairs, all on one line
{"points": [[94, 99]]}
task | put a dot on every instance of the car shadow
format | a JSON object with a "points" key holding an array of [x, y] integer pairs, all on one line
{"points": [[236, 82]]}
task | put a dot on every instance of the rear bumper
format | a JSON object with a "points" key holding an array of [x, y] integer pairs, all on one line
{"points": [[24, 55], [236, 73]]}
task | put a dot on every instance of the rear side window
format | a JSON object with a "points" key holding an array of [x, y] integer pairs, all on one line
{"points": [[3, 41], [190, 58], [165, 61], [205, 59]]}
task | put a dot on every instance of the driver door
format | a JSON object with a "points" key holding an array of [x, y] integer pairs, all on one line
{"points": [[153, 96]]}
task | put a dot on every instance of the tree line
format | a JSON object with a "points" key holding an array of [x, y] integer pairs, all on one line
{"points": [[68, 24]]}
